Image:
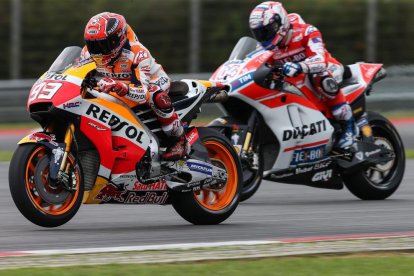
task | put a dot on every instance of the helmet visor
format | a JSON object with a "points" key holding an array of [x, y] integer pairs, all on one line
{"points": [[103, 46], [267, 32]]}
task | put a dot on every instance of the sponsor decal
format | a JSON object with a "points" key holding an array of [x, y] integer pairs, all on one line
{"points": [[161, 81], [57, 153], [156, 186], [111, 192], [303, 170], [42, 136], [322, 176], [71, 105], [200, 168], [83, 62], [322, 165], [316, 39], [141, 55], [56, 77], [369, 153], [116, 75], [96, 126], [279, 176], [113, 28], [359, 155], [305, 130], [244, 79], [114, 194], [147, 198], [192, 136], [137, 94], [308, 155], [294, 58], [116, 124]]}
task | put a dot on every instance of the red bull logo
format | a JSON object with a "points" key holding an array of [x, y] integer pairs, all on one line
{"points": [[39, 136], [110, 192]]}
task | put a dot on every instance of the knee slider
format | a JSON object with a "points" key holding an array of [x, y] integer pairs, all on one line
{"points": [[162, 101], [330, 87]]}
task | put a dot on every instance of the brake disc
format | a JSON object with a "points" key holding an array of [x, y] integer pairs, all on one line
{"points": [[52, 194]]}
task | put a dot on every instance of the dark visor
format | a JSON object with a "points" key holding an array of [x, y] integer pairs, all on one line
{"points": [[104, 47], [267, 32]]}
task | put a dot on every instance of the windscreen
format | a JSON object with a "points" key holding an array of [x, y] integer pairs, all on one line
{"points": [[243, 47], [66, 59]]}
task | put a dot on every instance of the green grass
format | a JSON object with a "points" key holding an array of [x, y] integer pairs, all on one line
{"points": [[19, 125], [361, 265]]}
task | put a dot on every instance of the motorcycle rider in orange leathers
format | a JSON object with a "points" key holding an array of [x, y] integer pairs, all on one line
{"points": [[129, 70], [298, 47]]}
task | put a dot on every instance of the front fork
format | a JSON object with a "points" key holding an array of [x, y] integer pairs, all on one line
{"points": [[59, 166], [64, 166], [247, 149]]}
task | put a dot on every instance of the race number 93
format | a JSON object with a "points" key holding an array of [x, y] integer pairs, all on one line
{"points": [[44, 90]]}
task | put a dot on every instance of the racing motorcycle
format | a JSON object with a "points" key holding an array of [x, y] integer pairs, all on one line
{"points": [[96, 148], [284, 133]]}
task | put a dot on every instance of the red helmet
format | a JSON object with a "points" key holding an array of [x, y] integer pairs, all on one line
{"points": [[105, 36]]}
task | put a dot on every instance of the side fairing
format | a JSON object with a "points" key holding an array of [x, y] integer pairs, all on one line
{"points": [[303, 132], [119, 137]]}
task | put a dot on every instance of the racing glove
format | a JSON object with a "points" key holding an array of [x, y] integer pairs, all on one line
{"points": [[291, 69], [109, 85]]}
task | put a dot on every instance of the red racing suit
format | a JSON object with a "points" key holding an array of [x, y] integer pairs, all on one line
{"points": [[304, 45], [147, 81]]}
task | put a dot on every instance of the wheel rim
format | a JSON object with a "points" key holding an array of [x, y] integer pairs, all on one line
{"points": [[380, 175], [37, 200], [219, 197]]}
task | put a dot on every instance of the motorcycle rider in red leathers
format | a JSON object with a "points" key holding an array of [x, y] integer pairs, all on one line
{"points": [[299, 48], [129, 70]]}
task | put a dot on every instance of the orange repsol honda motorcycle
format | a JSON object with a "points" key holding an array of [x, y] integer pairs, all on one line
{"points": [[95, 149]]}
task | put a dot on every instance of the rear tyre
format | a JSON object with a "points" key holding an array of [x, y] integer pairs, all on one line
{"points": [[212, 205], [380, 181], [51, 205]]}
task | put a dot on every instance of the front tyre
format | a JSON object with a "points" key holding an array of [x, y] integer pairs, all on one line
{"points": [[212, 205], [382, 180], [37, 199]]}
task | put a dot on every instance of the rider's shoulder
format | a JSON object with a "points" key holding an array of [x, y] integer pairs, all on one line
{"points": [[295, 18]]}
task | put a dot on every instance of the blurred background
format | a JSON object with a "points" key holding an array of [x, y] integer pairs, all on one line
{"points": [[195, 36]]}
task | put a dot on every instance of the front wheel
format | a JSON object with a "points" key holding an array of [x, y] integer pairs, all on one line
{"points": [[214, 204], [382, 180], [40, 201]]}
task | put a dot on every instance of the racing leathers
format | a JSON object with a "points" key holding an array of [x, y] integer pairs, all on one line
{"points": [[303, 51], [137, 78]]}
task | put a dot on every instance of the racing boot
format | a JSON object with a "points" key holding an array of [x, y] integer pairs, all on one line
{"points": [[179, 151], [343, 114]]}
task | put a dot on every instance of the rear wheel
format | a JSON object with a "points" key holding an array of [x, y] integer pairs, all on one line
{"points": [[382, 180], [214, 204], [40, 201]]}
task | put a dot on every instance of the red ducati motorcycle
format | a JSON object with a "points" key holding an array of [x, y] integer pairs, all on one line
{"points": [[284, 133]]}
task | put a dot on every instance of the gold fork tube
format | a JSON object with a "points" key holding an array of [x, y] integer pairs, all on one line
{"points": [[68, 141], [247, 141]]}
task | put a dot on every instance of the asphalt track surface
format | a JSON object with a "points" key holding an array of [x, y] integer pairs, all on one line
{"points": [[277, 211]]}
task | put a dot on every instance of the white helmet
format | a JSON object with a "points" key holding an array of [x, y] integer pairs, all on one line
{"points": [[269, 24]]}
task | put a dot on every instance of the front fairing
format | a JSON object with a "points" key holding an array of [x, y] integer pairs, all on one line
{"points": [[62, 82]]}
